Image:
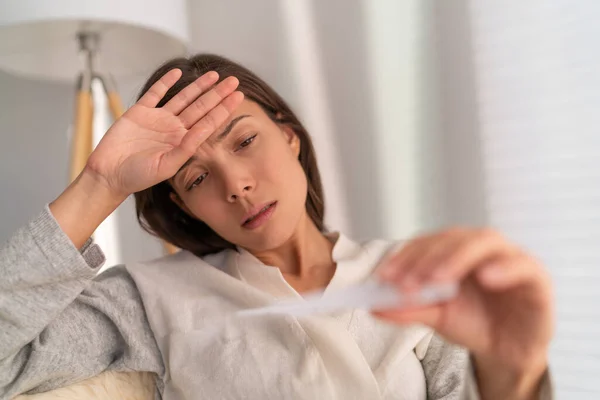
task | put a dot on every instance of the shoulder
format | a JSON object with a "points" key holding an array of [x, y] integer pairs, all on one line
{"points": [[183, 257], [115, 283], [117, 275], [179, 270]]}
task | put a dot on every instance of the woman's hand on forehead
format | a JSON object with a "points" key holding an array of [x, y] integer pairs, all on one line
{"points": [[148, 145]]}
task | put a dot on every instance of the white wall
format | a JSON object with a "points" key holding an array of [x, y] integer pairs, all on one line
{"points": [[255, 34], [34, 118], [453, 141], [343, 43]]}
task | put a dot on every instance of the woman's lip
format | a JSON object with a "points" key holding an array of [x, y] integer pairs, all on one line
{"points": [[261, 217], [254, 211]]}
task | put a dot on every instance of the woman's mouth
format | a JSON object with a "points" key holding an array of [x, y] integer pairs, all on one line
{"points": [[260, 217]]}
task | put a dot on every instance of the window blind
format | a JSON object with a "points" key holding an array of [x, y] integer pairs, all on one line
{"points": [[537, 69]]}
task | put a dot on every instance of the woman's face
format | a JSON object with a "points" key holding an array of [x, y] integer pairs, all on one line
{"points": [[245, 181]]}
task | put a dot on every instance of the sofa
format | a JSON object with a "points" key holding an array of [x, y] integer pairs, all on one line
{"points": [[106, 386]]}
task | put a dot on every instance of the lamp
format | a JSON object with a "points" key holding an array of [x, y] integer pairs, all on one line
{"points": [[83, 40]]}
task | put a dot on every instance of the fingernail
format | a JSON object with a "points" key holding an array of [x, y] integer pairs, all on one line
{"points": [[492, 272]]}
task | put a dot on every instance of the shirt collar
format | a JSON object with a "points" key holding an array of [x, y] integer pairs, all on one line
{"points": [[353, 265]]}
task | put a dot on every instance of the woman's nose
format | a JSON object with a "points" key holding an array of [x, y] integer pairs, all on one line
{"points": [[238, 183], [239, 193]]}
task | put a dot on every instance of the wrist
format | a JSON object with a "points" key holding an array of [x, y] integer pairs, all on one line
{"points": [[96, 185], [519, 382], [84, 204]]}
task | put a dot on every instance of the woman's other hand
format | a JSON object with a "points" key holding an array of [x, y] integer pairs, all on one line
{"points": [[504, 310]]}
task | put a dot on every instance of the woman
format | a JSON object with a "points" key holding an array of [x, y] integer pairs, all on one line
{"points": [[222, 168]]}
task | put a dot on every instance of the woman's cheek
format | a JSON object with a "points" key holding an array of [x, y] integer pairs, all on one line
{"points": [[205, 209]]}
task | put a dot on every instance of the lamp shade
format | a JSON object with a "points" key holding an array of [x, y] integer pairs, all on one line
{"points": [[38, 38]]}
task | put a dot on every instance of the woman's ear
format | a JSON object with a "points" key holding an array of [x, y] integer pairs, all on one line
{"points": [[292, 138]]}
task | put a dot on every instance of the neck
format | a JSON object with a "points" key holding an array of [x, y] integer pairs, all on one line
{"points": [[307, 251]]}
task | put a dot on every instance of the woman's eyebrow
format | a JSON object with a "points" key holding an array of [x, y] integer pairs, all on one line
{"points": [[185, 165], [229, 127]]}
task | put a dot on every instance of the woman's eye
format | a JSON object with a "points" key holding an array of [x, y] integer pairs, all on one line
{"points": [[247, 142], [197, 181]]}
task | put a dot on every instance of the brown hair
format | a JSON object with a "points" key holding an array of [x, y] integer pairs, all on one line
{"points": [[160, 216]]}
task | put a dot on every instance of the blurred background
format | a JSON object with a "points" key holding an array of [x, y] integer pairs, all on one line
{"points": [[425, 114]]}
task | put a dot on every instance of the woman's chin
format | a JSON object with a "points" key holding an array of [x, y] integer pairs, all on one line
{"points": [[268, 241], [267, 237]]}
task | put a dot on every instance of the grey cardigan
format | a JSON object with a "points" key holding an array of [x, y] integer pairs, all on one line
{"points": [[59, 323]]}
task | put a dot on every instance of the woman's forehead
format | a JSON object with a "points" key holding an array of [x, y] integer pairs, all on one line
{"points": [[247, 107], [247, 112]]}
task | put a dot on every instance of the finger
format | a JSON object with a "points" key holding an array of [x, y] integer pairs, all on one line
{"points": [[509, 272], [433, 256], [393, 269], [392, 264], [203, 129], [157, 91], [474, 250], [191, 92], [205, 103], [217, 116], [406, 266]]}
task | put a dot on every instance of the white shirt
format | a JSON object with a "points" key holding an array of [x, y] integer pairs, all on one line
{"points": [[210, 354]]}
